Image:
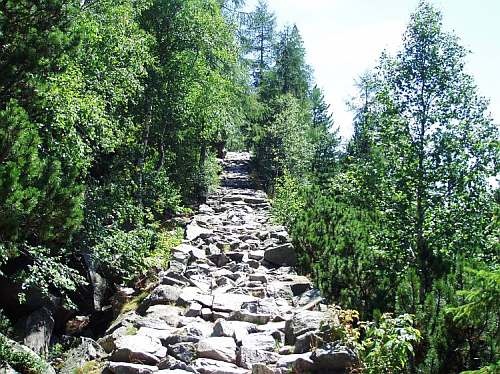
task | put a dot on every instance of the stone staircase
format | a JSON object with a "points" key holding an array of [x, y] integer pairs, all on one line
{"points": [[230, 302]]}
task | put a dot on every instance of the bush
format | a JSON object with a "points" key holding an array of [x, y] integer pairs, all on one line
{"points": [[24, 362], [388, 345]]}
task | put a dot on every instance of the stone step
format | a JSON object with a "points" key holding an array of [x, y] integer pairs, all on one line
{"points": [[231, 301]]}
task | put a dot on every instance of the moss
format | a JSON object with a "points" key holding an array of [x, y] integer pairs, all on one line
{"points": [[91, 367], [131, 330], [134, 302]]}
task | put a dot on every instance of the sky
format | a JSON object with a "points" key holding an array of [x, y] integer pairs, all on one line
{"points": [[344, 38]]}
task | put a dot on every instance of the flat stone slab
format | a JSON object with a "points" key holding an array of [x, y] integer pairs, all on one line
{"points": [[127, 368], [208, 366], [230, 302], [218, 348]]}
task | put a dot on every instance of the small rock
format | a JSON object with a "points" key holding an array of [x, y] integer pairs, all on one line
{"points": [[249, 356], [194, 310], [185, 352], [208, 366], [297, 363], [193, 231]]}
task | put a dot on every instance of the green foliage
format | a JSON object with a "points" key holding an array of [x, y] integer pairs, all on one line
{"points": [[5, 324], [121, 254], [22, 361], [283, 145], [390, 224], [388, 345], [288, 200]]}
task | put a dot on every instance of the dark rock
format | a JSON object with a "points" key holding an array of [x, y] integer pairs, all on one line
{"points": [[282, 255], [39, 326], [334, 357], [87, 350], [185, 352]]}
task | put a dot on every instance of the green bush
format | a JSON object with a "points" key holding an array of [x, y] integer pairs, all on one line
{"points": [[388, 346], [121, 254], [22, 361]]}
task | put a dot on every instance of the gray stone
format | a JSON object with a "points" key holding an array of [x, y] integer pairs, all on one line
{"points": [[167, 313], [128, 368], [249, 356], [39, 326], [307, 342], [138, 349], [163, 294], [230, 302], [261, 341], [193, 231], [262, 369], [233, 329], [334, 356], [185, 352], [219, 259], [217, 348], [256, 255], [75, 358], [302, 322], [194, 310], [282, 255], [297, 363], [190, 294], [258, 277], [235, 256], [208, 366]]}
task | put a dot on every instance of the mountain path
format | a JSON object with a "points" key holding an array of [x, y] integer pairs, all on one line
{"points": [[231, 301]]}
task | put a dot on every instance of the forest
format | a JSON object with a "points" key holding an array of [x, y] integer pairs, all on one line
{"points": [[113, 114]]}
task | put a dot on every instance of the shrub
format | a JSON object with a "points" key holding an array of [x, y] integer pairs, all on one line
{"points": [[24, 362]]}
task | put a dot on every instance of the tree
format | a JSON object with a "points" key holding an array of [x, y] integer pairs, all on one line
{"points": [[326, 140], [291, 74], [259, 40], [442, 131]]}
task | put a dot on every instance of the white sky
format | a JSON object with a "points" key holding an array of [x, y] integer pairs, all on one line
{"points": [[344, 38]]}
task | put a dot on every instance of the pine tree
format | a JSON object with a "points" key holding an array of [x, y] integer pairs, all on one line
{"points": [[259, 40]]}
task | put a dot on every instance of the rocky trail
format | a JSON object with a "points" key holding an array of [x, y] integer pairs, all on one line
{"points": [[231, 301]]}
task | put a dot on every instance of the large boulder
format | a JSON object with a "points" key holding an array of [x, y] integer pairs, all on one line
{"points": [[334, 356], [218, 348], [302, 322], [39, 326], [138, 349], [87, 350], [281, 255]]}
